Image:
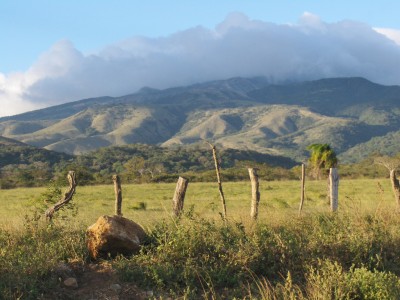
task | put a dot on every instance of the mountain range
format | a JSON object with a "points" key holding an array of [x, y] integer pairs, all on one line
{"points": [[355, 116]]}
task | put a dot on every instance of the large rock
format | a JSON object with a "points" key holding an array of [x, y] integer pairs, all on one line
{"points": [[114, 235]]}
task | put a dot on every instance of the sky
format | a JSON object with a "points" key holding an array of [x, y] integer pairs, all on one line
{"points": [[52, 52]]}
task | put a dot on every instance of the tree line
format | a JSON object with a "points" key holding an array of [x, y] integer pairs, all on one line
{"points": [[140, 163]]}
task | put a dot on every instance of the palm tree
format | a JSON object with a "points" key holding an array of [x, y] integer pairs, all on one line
{"points": [[322, 158]]}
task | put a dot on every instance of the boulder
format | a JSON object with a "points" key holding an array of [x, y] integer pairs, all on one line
{"points": [[112, 235]]}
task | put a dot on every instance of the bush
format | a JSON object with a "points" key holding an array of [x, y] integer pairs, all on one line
{"points": [[27, 259], [188, 256], [329, 281], [325, 256]]}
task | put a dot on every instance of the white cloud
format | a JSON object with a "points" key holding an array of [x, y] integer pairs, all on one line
{"points": [[310, 49], [393, 34], [309, 20]]}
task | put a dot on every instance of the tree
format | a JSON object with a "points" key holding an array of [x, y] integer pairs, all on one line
{"points": [[134, 168], [391, 164], [322, 158]]}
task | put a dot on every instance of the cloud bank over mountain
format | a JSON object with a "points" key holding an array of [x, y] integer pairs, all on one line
{"points": [[309, 49]]}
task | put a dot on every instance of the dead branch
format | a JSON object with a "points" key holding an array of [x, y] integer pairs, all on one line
{"points": [[66, 197], [217, 170], [303, 180], [390, 163]]}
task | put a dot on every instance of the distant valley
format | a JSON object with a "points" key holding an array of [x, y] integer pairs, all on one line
{"points": [[357, 117]]}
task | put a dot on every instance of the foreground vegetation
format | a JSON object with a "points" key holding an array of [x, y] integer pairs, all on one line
{"points": [[349, 255], [320, 257]]}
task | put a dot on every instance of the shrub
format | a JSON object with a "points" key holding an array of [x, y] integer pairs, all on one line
{"points": [[28, 258], [330, 281], [326, 256]]}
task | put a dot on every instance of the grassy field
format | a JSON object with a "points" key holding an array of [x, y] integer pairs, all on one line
{"points": [[352, 254], [278, 198]]}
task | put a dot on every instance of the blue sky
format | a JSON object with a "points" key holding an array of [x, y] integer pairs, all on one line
{"points": [[56, 51], [30, 27]]}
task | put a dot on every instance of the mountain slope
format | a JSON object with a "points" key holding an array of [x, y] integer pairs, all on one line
{"points": [[13, 152], [103, 126], [275, 129], [240, 113]]}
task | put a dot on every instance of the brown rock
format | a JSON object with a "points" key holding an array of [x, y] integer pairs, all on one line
{"points": [[114, 235], [71, 282]]}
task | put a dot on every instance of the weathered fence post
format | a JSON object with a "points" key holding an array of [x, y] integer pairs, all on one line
{"points": [[179, 196], [118, 195], [303, 180], [333, 188], [217, 170], [395, 187], [66, 198], [255, 193], [392, 164]]}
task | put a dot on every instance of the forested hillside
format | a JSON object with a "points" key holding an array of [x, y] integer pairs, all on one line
{"points": [[23, 165]]}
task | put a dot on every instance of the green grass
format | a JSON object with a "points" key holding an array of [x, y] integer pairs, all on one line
{"points": [[283, 256], [278, 198]]}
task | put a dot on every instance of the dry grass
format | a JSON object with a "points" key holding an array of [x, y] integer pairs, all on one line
{"points": [[279, 199], [283, 256]]}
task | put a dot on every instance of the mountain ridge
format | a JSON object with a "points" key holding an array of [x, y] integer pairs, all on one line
{"points": [[240, 113]]}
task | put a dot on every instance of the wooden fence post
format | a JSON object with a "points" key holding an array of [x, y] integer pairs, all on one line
{"points": [[179, 196], [395, 187], [118, 195], [333, 188], [255, 193], [303, 180], [66, 198], [217, 170]]}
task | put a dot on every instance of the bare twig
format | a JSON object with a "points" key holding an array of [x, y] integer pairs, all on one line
{"points": [[303, 179], [391, 164], [217, 170]]}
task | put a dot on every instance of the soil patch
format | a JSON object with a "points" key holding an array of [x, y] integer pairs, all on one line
{"points": [[96, 281]]}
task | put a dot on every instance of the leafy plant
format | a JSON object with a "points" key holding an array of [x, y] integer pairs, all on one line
{"points": [[328, 280], [48, 198], [322, 158]]}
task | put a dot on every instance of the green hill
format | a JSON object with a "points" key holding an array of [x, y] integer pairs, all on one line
{"points": [[13, 152]]}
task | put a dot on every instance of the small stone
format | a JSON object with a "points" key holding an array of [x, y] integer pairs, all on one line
{"points": [[71, 282], [149, 293], [116, 287]]}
